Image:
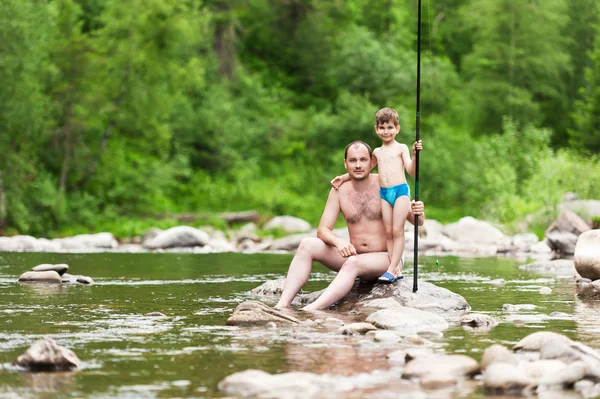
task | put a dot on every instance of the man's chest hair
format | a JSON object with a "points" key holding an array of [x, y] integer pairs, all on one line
{"points": [[361, 205]]}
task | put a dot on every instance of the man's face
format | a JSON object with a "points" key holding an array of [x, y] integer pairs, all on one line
{"points": [[358, 162], [387, 131]]}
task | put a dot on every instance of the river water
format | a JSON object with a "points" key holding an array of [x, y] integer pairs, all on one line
{"points": [[126, 354]]}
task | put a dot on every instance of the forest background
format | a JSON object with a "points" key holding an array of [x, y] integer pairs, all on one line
{"points": [[113, 112]]}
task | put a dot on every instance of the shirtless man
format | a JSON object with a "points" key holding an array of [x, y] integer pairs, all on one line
{"points": [[365, 255]]}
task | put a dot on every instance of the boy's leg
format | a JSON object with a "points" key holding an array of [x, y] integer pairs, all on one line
{"points": [[367, 266], [387, 214], [310, 249], [401, 207]]}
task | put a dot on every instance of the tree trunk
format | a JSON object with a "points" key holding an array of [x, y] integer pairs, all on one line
{"points": [[224, 42]]}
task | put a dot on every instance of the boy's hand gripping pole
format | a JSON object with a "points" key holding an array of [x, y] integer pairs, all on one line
{"points": [[418, 128]]}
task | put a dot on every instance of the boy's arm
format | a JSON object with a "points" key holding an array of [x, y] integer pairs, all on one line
{"points": [[410, 164], [328, 219], [339, 180]]}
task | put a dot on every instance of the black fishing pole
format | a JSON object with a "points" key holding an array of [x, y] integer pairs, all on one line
{"points": [[418, 128]]}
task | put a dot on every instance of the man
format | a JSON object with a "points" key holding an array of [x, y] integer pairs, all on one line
{"points": [[365, 255]]}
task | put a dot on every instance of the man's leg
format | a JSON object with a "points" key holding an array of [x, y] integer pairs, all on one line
{"points": [[310, 249], [401, 207], [367, 266]]}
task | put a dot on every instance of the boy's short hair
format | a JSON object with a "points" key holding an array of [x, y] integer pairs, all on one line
{"points": [[386, 115], [359, 142]]}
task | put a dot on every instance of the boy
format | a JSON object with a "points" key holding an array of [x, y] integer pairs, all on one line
{"points": [[391, 159]]}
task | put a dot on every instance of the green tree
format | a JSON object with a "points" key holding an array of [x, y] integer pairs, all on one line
{"points": [[26, 29], [586, 134], [518, 61]]}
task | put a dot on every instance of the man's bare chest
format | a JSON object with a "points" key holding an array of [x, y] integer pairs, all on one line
{"points": [[361, 206]]}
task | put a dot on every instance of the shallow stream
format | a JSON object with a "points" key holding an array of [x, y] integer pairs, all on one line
{"points": [[125, 354]]}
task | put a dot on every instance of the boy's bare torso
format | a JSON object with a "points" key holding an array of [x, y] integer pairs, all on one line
{"points": [[390, 164], [362, 212]]}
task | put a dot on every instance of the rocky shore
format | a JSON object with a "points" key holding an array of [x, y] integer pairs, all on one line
{"points": [[467, 237]]}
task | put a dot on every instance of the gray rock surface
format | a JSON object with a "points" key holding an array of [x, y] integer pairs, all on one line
{"points": [[60, 268], [289, 224], [49, 276], [47, 355], [254, 313], [407, 320], [587, 255], [429, 297], [180, 236]]}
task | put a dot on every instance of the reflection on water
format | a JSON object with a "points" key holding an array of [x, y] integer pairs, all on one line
{"points": [[185, 354], [49, 382]]}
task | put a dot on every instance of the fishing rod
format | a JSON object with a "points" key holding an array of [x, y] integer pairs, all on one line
{"points": [[418, 128]]}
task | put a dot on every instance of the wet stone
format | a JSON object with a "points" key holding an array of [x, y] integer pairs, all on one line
{"points": [[85, 280], [47, 355], [41, 277], [60, 268]]}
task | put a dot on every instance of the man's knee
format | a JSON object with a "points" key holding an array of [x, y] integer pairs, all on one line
{"points": [[351, 264], [310, 246]]}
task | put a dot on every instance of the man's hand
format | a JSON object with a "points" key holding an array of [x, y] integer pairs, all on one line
{"points": [[346, 249], [417, 207], [417, 146], [337, 182]]}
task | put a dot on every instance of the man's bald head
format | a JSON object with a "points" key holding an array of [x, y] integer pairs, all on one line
{"points": [[356, 144]]}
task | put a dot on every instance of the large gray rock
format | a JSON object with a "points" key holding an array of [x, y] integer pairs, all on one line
{"points": [[60, 268], [88, 241], [429, 297], [505, 378], [469, 230], [270, 290], [497, 354], [562, 242], [47, 355], [586, 209], [254, 313], [568, 221], [588, 289], [407, 320], [587, 255], [49, 276], [535, 341], [258, 384], [26, 243], [289, 224], [458, 366], [562, 234], [180, 236]]}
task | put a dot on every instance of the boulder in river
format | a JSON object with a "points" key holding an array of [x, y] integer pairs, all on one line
{"points": [[587, 255], [47, 355], [254, 313]]}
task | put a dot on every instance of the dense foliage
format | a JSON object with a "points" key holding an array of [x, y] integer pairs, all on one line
{"points": [[117, 110]]}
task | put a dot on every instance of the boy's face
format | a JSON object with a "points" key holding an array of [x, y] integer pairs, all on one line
{"points": [[387, 131]]}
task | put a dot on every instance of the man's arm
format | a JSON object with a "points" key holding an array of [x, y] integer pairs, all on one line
{"points": [[417, 208], [328, 219]]}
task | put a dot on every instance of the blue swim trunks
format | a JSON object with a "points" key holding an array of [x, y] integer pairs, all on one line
{"points": [[391, 194]]}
